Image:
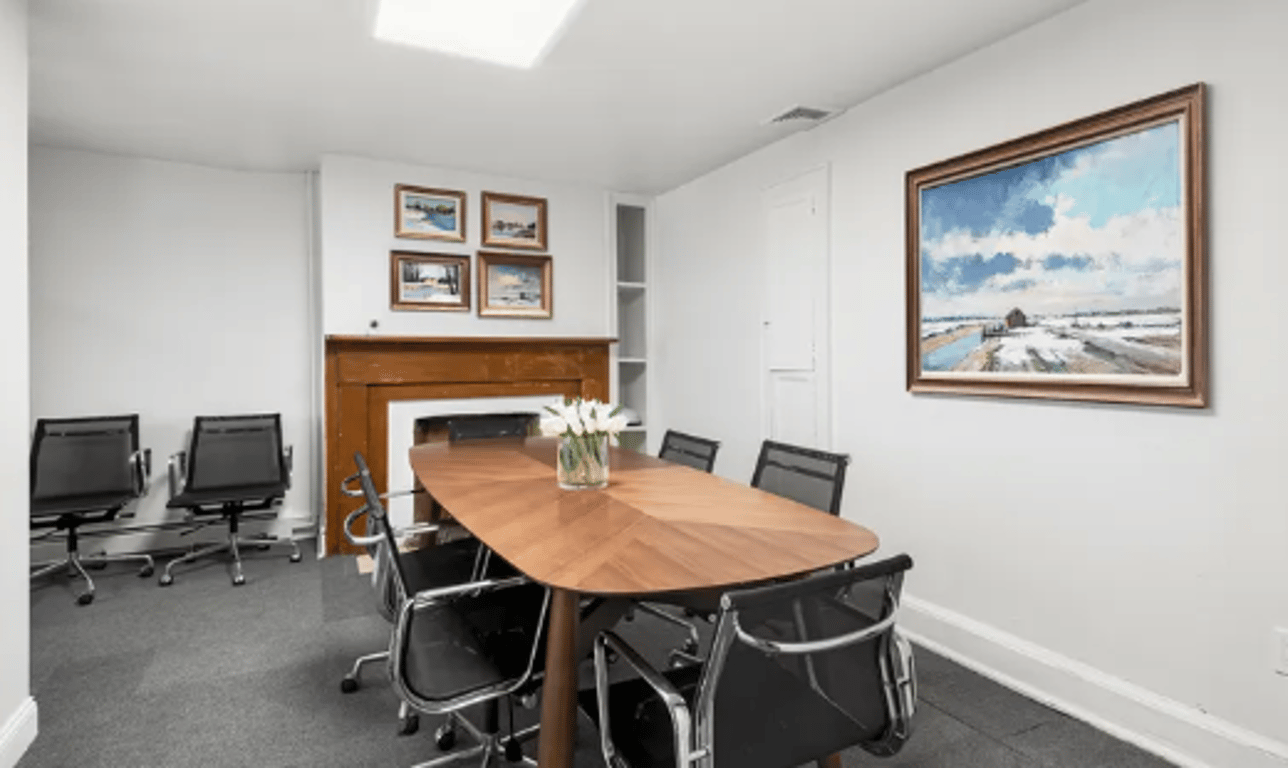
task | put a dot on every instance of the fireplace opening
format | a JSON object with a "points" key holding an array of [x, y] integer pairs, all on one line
{"points": [[463, 426]]}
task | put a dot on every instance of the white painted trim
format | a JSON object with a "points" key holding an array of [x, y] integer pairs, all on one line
{"points": [[1178, 733], [18, 733]]}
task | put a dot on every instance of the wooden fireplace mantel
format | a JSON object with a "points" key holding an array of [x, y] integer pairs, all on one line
{"points": [[366, 373]]}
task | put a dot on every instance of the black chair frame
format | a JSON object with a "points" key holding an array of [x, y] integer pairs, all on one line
{"points": [[840, 460], [693, 717], [488, 742], [673, 441], [69, 516], [231, 510]]}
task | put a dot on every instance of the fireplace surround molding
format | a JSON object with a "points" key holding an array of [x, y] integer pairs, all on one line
{"points": [[364, 374]]}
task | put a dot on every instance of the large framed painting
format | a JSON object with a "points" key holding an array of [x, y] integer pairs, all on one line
{"points": [[429, 281], [513, 221], [515, 285], [1067, 264], [429, 214]]}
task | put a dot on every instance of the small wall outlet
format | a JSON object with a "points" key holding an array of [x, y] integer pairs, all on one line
{"points": [[1281, 650]]}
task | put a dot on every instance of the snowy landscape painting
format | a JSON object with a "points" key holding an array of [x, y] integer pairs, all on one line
{"points": [[430, 214], [1076, 265]]}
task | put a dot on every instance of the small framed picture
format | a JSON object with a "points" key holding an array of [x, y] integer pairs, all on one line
{"points": [[513, 285], [511, 221], [429, 281], [429, 214]]}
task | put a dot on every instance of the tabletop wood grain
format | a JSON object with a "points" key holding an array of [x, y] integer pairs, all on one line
{"points": [[658, 527]]}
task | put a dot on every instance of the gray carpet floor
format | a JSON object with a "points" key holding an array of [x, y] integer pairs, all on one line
{"points": [[204, 674]]}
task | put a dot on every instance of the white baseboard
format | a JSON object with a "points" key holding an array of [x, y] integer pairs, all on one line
{"points": [[1163, 726], [17, 733]]}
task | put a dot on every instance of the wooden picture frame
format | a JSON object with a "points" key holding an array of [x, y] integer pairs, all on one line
{"points": [[515, 285], [514, 221], [1068, 264], [429, 282], [426, 213]]}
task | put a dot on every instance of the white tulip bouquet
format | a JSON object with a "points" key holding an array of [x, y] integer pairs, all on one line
{"points": [[583, 427]]}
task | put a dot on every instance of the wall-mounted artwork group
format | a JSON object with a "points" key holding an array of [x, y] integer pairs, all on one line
{"points": [[509, 284], [1068, 264]]}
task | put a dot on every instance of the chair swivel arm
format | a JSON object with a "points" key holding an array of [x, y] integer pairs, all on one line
{"points": [[681, 720], [141, 461], [813, 646], [375, 538], [429, 597], [177, 472]]}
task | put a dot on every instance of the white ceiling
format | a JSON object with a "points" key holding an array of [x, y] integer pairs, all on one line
{"points": [[638, 95]]}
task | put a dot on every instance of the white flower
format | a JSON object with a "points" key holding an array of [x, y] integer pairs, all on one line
{"points": [[586, 410], [574, 421], [616, 424], [552, 426]]}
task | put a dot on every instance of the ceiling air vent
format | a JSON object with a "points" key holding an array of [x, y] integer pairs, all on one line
{"points": [[799, 113]]}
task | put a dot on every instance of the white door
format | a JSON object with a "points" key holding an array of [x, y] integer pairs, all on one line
{"points": [[796, 398]]}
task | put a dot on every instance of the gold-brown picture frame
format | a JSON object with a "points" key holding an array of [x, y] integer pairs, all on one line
{"points": [[515, 285], [1067, 264], [429, 282], [426, 213], [514, 221]]}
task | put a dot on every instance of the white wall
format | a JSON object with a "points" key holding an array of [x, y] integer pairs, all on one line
{"points": [[357, 226], [1127, 562], [171, 291], [17, 710]]}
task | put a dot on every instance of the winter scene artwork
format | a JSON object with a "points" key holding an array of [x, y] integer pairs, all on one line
{"points": [[1073, 267]]}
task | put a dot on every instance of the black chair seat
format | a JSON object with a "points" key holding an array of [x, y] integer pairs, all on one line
{"points": [[469, 643], [83, 504], [227, 495], [439, 565], [794, 724]]}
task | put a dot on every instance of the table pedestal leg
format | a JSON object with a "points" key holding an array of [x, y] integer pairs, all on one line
{"points": [[559, 690]]}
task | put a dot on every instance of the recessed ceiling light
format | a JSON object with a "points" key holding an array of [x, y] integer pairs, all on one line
{"points": [[516, 33]]}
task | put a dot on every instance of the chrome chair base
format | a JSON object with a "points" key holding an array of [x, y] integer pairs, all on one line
{"points": [[232, 545], [490, 747], [75, 566]]}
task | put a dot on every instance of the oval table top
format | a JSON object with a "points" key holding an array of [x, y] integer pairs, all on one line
{"points": [[657, 527]]}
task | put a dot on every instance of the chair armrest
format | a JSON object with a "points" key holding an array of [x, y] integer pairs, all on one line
{"points": [[177, 472], [813, 646], [681, 720], [398, 494], [355, 539], [346, 490], [428, 597], [288, 458], [141, 461]]}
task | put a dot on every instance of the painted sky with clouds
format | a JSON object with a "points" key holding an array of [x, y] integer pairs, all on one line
{"points": [[1097, 228]]}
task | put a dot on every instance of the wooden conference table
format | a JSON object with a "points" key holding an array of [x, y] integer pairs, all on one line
{"points": [[657, 528]]}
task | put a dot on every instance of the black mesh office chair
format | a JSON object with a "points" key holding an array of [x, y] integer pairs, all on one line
{"points": [[813, 478], [234, 465], [443, 564], [458, 646], [809, 667], [689, 450], [85, 471]]}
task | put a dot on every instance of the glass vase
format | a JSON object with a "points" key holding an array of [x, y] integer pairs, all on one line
{"points": [[583, 462]]}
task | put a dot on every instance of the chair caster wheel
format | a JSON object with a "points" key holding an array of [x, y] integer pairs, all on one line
{"points": [[145, 572], [165, 580], [349, 684], [445, 737], [85, 599], [295, 557], [513, 750], [409, 724], [238, 581]]}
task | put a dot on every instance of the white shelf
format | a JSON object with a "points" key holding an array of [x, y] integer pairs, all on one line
{"points": [[624, 286], [636, 428], [631, 360]]}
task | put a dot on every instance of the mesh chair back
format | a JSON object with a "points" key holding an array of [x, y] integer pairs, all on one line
{"points": [[820, 689], [82, 457], [233, 451], [482, 427], [385, 553], [813, 478], [691, 451]]}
